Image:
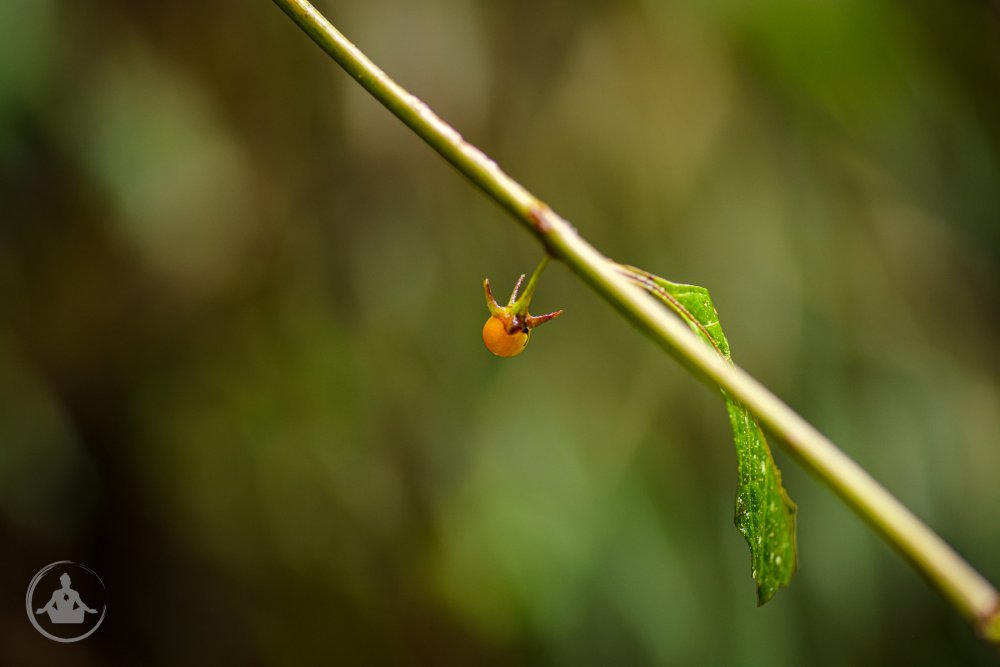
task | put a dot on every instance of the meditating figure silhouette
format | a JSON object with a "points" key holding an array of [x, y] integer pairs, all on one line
{"points": [[66, 605]]}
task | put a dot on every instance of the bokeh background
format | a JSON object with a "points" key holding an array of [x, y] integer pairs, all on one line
{"points": [[241, 373]]}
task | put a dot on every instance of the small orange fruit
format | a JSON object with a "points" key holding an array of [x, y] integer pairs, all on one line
{"points": [[507, 331], [501, 343]]}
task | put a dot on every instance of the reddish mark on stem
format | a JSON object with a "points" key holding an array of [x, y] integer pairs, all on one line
{"points": [[990, 617], [539, 215]]}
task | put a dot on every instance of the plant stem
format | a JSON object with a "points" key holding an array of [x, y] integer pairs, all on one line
{"points": [[971, 594], [523, 301]]}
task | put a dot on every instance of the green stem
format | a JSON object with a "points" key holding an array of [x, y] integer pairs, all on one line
{"points": [[971, 594], [520, 306]]}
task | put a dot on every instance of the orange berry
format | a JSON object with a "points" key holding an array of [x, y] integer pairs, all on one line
{"points": [[501, 343]]}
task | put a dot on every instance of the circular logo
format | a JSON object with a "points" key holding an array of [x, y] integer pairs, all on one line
{"points": [[66, 601]]}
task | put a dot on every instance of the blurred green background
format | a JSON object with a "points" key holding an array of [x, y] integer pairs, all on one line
{"points": [[241, 373]]}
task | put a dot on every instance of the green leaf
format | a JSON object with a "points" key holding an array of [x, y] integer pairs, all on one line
{"points": [[765, 515]]}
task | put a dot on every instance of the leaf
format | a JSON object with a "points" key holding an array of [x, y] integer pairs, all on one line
{"points": [[765, 515]]}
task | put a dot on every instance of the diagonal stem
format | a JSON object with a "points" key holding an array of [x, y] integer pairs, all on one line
{"points": [[971, 594]]}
